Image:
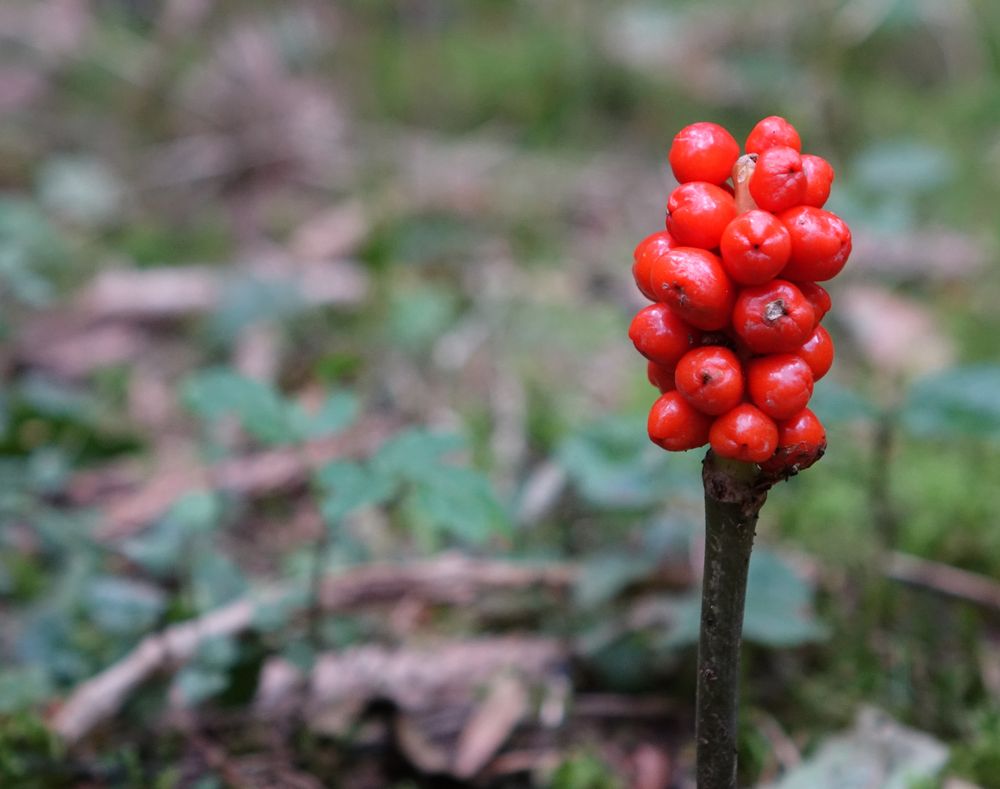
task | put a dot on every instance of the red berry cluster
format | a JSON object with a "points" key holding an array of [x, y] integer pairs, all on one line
{"points": [[733, 338]]}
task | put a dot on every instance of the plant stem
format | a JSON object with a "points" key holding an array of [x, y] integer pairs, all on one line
{"points": [[314, 612], [878, 491], [734, 494]]}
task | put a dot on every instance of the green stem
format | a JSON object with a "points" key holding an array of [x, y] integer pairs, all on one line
{"points": [[878, 492], [314, 612], [734, 494]]}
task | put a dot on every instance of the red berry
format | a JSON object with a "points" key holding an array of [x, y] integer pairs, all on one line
{"points": [[710, 379], [650, 248], [817, 352], [780, 385], [773, 318], [660, 335], [744, 433], [821, 244], [673, 424], [660, 376], [698, 212], [817, 296], [755, 246], [801, 442], [819, 178], [703, 152], [778, 181], [771, 131], [694, 283]]}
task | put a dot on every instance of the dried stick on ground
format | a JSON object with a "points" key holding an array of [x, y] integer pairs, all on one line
{"points": [[449, 579], [944, 579], [263, 473]]}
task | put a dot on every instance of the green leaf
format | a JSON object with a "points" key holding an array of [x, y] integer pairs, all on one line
{"points": [[30, 247], [215, 579], [197, 683], [22, 687], [81, 189], [877, 751], [350, 486], [197, 512], [613, 464], [834, 403], [779, 610], [158, 549], [959, 401], [411, 454], [123, 606], [338, 412], [779, 607], [904, 166], [460, 502], [248, 301], [419, 316], [263, 412], [217, 652], [603, 577]]}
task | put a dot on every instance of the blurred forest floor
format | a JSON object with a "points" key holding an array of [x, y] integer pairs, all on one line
{"points": [[322, 447]]}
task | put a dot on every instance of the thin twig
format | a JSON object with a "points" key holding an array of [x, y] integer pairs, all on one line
{"points": [[944, 579], [451, 578]]}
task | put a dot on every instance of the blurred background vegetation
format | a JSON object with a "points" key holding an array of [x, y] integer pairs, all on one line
{"points": [[315, 314]]}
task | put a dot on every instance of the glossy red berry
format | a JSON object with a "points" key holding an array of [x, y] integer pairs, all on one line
{"points": [[710, 379], [755, 246], [744, 433], [673, 424], [773, 318], [801, 442], [703, 152], [648, 250], [821, 244], [698, 212], [817, 296], [778, 181], [819, 179], [660, 376], [661, 335], [818, 352], [780, 384], [770, 132], [694, 283]]}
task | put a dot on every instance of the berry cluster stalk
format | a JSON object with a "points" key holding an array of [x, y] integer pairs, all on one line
{"points": [[734, 493]]}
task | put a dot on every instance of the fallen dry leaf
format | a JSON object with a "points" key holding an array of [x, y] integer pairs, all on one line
{"points": [[898, 336]]}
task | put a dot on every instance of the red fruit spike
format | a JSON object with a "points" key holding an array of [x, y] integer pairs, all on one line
{"points": [[821, 244], [694, 283], [778, 181], [660, 376], [817, 296], [819, 179], [801, 442], [773, 318], [780, 384], [755, 246], [673, 424], [818, 352], [661, 335], [698, 212], [703, 152], [744, 433], [650, 248], [770, 132]]}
